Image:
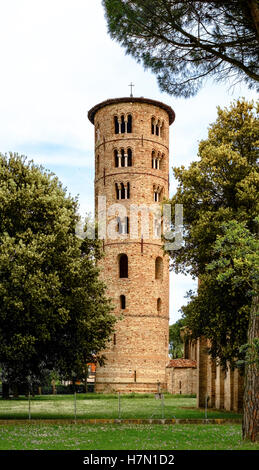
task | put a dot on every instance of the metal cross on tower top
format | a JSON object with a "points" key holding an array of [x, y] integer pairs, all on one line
{"points": [[131, 85]]}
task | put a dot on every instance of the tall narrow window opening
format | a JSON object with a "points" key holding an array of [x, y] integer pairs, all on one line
{"points": [[122, 158], [123, 302], [122, 190], [156, 196], [116, 158], [129, 157], [123, 225], [123, 125], [118, 194], [153, 158], [159, 268], [129, 124], [123, 266], [157, 128], [162, 128], [116, 125], [153, 126]]}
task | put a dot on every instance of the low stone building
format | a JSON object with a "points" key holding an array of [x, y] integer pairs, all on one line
{"points": [[182, 376]]}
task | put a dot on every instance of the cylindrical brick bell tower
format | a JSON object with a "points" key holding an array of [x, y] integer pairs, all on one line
{"points": [[131, 180]]}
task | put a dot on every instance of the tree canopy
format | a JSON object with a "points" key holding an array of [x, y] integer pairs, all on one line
{"points": [[175, 339], [53, 308], [219, 193], [183, 42], [221, 186]]}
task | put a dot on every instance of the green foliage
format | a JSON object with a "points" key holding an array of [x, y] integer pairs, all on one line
{"points": [[219, 193], [183, 42], [175, 339], [238, 263], [251, 353], [53, 308], [221, 185], [237, 252], [221, 314]]}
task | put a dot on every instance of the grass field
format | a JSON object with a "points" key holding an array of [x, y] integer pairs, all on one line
{"points": [[89, 406], [120, 437]]}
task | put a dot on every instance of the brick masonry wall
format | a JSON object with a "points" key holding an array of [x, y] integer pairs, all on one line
{"points": [[182, 380], [223, 387], [202, 366], [138, 353]]}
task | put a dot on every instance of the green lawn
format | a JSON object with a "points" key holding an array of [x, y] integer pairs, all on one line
{"points": [[90, 406], [121, 436]]}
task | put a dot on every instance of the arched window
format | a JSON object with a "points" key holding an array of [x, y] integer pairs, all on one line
{"points": [[122, 157], [123, 126], [153, 159], [123, 302], [162, 162], [156, 196], [157, 127], [116, 158], [116, 125], [157, 193], [153, 125], [123, 266], [159, 268], [117, 191], [122, 190], [159, 304], [129, 159], [123, 225], [129, 124], [162, 130]]}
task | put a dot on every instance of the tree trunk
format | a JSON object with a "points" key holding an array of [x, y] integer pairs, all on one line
{"points": [[5, 391], [251, 392], [254, 10]]}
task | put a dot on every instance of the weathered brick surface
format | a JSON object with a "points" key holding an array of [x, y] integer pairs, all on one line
{"points": [[182, 380], [138, 354], [202, 365], [223, 387]]}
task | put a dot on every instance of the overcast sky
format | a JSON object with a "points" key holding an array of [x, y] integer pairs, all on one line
{"points": [[57, 61]]}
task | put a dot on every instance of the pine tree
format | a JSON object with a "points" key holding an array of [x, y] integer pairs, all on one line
{"points": [[184, 42]]}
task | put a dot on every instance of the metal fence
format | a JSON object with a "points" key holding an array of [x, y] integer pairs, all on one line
{"points": [[22, 390], [94, 406]]}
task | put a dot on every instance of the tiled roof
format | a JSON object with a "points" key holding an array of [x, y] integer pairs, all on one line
{"points": [[129, 99], [182, 363]]}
